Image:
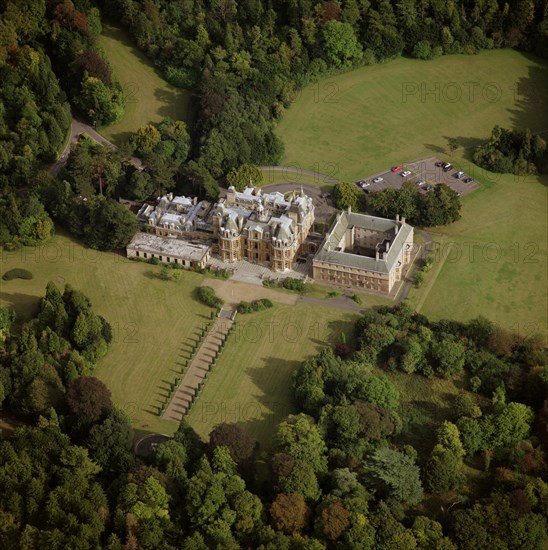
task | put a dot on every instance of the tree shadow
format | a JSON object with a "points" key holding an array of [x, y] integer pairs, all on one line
{"points": [[26, 306], [529, 97]]}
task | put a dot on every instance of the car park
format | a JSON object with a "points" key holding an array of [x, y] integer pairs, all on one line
{"points": [[395, 168], [378, 180]]}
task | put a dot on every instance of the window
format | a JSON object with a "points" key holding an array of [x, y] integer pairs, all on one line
{"points": [[137, 253], [145, 255]]}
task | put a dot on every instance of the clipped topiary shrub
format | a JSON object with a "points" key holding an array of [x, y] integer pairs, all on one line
{"points": [[17, 273]]}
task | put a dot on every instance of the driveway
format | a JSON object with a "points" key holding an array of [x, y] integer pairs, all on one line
{"points": [[77, 127]]}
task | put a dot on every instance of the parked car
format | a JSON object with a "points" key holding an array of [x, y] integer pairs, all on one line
{"points": [[364, 185], [467, 180], [429, 188], [359, 183], [447, 166], [378, 180], [459, 175], [405, 173], [439, 163], [395, 168], [420, 183]]}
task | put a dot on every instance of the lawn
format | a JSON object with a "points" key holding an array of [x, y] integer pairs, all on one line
{"points": [[355, 124], [493, 261], [152, 319], [149, 98], [251, 383]]}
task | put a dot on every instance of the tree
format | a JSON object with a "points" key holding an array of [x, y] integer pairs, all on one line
{"points": [[423, 50], [348, 195], [145, 139], [447, 355], [290, 514], [244, 176], [333, 520], [341, 46], [513, 424], [394, 476], [89, 398], [100, 103], [235, 438], [300, 437], [379, 391], [444, 469]]}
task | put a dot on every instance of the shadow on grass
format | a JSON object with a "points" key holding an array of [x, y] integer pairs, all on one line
{"points": [[26, 306]]}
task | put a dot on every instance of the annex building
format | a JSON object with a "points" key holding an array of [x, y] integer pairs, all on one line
{"points": [[362, 251], [268, 229]]}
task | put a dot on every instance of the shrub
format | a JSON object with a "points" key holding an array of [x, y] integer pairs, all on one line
{"points": [[17, 273], [418, 279], [255, 305], [290, 283], [207, 296]]}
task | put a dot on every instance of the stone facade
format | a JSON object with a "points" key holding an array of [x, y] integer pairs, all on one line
{"points": [[364, 252], [264, 229], [268, 229]]}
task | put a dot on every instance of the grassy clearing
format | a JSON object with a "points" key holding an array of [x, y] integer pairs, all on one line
{"points": [[149, 98], [272, 177], [494, 260], [251, 382], [358, 123], [153, 320]]}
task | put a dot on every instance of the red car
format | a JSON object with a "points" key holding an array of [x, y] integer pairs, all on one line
{"points": [[395, 168]]}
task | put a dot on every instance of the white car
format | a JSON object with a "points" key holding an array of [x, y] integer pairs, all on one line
{"points": [[421, 183], [364, 185], [405, 173], [378, 180]]}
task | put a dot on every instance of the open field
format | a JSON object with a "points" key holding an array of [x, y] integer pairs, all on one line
{"points": [[251, 383], [494, 260], [152, 319], [149, 98], [358, 123]]}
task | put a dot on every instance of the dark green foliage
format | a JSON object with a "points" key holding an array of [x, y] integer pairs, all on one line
{"points": [[290, 283], [255, 305], [244, 176], [235, 438], [207, 296], [516, 151], [347, 195], [441, 206], [394, 476], [17, 273]]}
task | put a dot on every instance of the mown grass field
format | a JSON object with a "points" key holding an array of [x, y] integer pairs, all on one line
{"points": [[251, 383], [149, 98], [494, 260], [155, 320], [355, 124], [152, 319]]}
